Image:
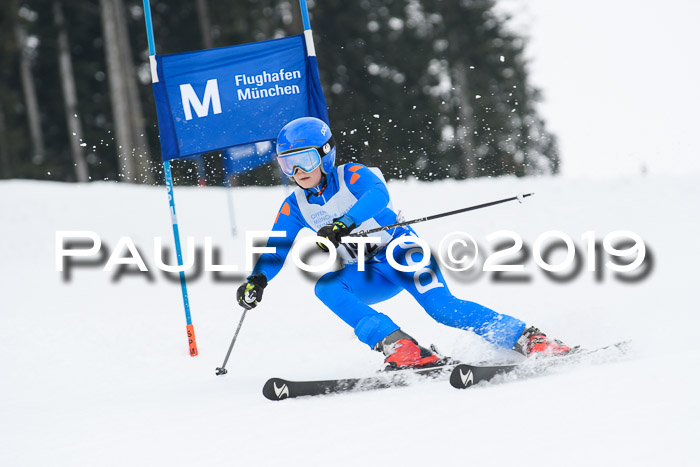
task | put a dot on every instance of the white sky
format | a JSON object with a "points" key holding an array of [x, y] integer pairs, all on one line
{"points": [[621, 81]]}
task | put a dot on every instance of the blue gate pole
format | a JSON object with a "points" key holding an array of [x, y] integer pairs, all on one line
{"points": [[169, 185], [305, 14], [311, 50]]}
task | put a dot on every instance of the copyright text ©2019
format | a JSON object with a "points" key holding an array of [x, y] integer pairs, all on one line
{"points": [[458, 252]]}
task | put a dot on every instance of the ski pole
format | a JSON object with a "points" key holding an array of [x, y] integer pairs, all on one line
{"points": [[444, 214], [222, 369]]}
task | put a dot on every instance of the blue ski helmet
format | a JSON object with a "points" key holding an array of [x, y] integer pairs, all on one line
{"points": [[306, 135]]}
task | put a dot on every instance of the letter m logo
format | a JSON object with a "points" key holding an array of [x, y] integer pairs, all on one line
{"points": [[190, 99]]}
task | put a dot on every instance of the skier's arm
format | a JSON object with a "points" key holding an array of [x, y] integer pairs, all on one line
{"points": [[372, 195], [288, 220]]}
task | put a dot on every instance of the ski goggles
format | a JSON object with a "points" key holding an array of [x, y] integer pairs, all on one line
{"points": [[306, 159]]}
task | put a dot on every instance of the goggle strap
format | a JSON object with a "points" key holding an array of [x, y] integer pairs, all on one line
{"points": [[321, 152], [331, 145]]}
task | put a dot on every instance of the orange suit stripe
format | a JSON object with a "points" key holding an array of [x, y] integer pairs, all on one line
{"points": [[285, 210]]}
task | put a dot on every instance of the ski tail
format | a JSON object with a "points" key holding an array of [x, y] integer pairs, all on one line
{"points": [[464, 376], [277, 389]]}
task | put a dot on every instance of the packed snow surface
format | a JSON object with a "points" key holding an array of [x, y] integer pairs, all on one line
{"points": [[96, 371]]}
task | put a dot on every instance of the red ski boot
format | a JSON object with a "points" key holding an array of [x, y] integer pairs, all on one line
{"points": [[403, 351], [535, 343]]}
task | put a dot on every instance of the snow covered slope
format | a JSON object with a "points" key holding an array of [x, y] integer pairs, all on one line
{"points": [[95, 369]]}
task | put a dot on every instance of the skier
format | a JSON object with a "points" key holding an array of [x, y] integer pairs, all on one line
{"points": [[336, 201]]}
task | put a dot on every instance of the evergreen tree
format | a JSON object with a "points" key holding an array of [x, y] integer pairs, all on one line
{"points": [[430, 88]]}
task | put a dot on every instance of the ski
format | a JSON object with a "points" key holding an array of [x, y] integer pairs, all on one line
{"points": [[465, 375], [460, 375], [277, 389]]}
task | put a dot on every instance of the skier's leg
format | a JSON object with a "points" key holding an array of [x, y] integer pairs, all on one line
{"points": [[429, 288], [349, 292]]}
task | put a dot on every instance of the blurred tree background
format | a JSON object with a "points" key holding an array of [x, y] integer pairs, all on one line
{"points": [[426, 88]]}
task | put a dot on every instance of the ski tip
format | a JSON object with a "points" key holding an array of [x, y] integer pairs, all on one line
{"points": [[276, 389], [619, 348], [623, 346], [521, 196]]}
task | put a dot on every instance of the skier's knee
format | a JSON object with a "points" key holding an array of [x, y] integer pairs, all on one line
{"points": [[439, 303]]}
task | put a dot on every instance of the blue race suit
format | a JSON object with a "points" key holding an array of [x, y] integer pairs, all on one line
{"points": [[356, 192]]}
